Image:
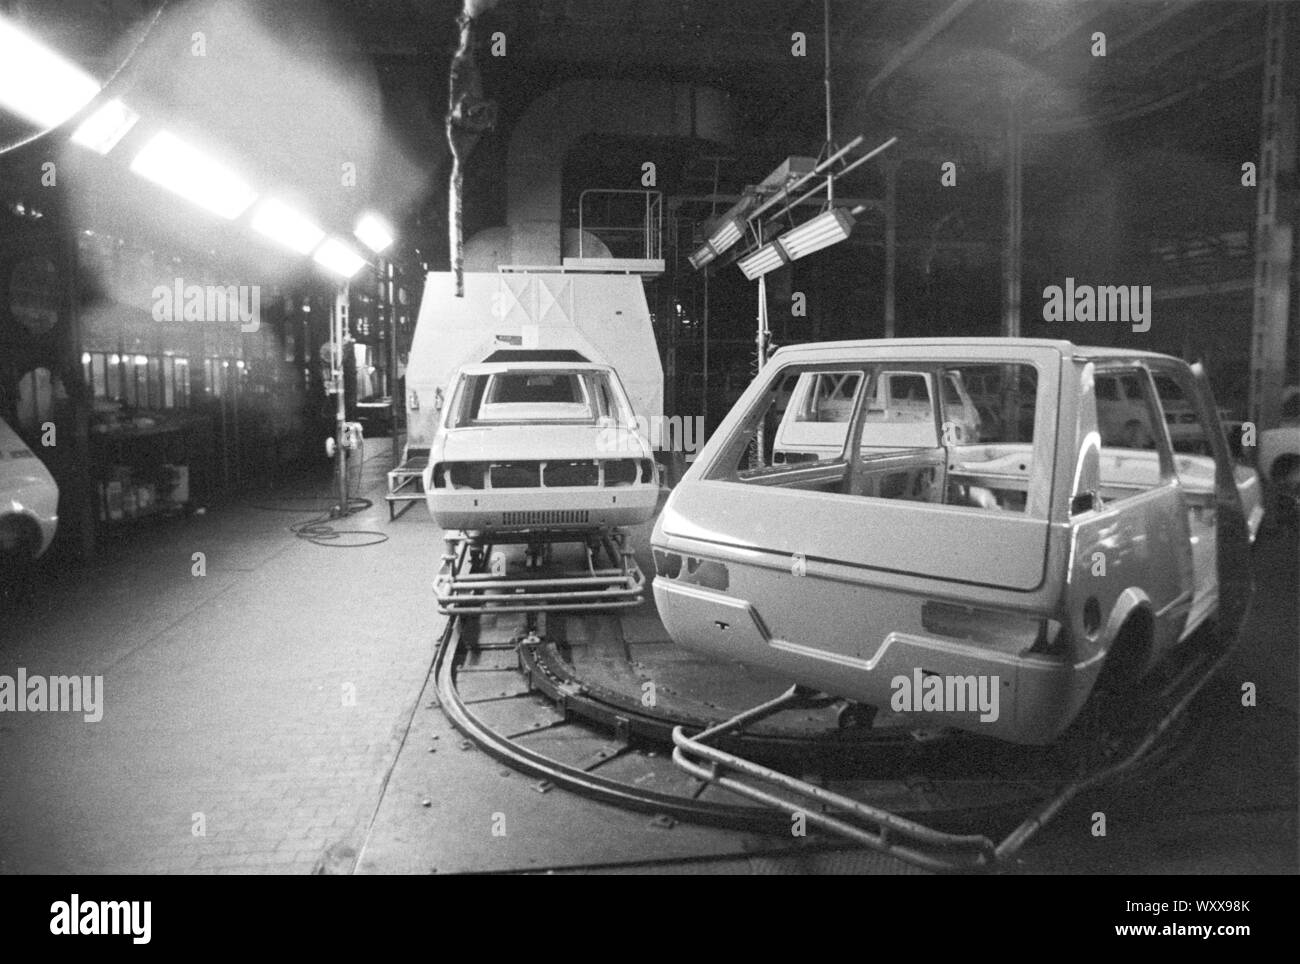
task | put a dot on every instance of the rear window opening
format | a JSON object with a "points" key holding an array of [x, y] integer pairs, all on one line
{"points": [[529, 395], [944, 434]]}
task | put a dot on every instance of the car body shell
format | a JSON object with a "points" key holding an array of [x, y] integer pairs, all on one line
{"points": [[29, 496], [848, 595], [1279, 447], [536, 467]]}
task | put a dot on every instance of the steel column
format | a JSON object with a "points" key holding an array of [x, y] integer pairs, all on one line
{"points": [[1274, 223], [1011, 255], [891, 247]]}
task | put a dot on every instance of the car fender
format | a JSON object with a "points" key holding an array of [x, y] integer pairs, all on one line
{"points": [[1132, 601]]}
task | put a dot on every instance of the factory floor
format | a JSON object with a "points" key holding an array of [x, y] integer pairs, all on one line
{"points": [[270, 711]]}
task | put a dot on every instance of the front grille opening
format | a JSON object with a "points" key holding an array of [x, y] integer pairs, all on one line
{"points": [[622, 472], [546, 517], [572, 473], [516, 475], [459, 475]]}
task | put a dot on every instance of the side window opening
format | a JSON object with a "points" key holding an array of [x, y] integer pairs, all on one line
{"points": [[989, 413], [1193, 452], [920, 435], [1128, 420]]}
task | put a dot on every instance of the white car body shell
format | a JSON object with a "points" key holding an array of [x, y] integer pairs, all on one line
{"points": [[27, 490], [801, 570], [545, 439]]}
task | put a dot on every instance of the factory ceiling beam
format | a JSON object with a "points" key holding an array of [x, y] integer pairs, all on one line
{"points": [[1170, 11], [913, 46]]}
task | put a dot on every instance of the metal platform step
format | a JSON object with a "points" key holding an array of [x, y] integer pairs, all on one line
{"points": [[400, 479]]}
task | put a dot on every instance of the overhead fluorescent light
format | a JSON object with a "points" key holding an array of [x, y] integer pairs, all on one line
{"points": [[185, 170], [701, 257], [284, 225], [374, 233], [102, 130], [767, 258], [337, 257], [36, 83], [723, 237], [829, 227], [727, 234]]}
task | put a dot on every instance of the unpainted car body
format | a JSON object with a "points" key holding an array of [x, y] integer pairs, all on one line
{"points": [[29, 500], [1279, 453], [524, 446], [1026, 565]]}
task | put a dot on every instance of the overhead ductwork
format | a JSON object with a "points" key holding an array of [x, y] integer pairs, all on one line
{"points": [[554, 123]]}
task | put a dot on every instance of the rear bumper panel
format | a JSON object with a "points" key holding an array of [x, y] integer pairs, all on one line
{"points": [[1037, 696]]}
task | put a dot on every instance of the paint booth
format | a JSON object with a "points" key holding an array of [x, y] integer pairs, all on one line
{"points": [[515, 315]]}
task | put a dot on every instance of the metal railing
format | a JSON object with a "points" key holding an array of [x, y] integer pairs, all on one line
{"points": [[645, 239]]}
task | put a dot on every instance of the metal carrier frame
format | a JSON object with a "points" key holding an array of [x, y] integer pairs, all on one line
{"points": [[897, 836], [465, 586]]}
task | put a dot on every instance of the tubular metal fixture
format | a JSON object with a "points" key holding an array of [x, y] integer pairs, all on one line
{"points": [[906, 839], [826, 82], [462, 587], [860, 822]]}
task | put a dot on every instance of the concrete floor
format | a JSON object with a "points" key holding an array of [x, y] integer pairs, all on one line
{"points": [[275, 715]]}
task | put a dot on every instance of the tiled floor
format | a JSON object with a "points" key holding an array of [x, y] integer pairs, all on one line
{"points": [[250, 714]]}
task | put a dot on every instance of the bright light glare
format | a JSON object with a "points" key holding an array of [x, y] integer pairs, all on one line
{"points": [[339, 258], [102, 130], [374, 233], [36, 83], [283, 224], [185, 170]]}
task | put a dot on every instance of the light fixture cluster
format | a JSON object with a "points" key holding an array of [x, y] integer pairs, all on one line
{"points": [[723, 237], [829, 227], [46, 90]]}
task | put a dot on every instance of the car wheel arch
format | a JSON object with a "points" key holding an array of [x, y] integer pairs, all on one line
{"points": [[29, 532], [1129, 635]]}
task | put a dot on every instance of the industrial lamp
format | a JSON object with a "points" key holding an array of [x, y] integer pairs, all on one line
{"points": [[183, 169], [723, 237], [829, 227], [767, 258], [36, 83]]}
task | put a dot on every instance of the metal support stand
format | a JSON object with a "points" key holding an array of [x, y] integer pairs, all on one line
{"points": [[338, 331], [891, 244], [760, 359], [473, 578]]}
